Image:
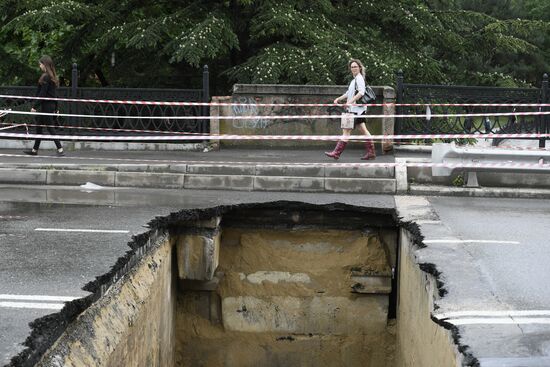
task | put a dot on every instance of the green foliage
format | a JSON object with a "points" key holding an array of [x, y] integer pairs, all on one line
{"points": [[208, 40], [458, 181], [164, 44]]}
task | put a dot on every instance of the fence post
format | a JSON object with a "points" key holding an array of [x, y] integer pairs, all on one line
{"points": [[74, 94], [399, 99], [206, 96], [545, 98]]}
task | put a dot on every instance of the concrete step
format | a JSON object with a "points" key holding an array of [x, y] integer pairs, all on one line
{"points": [[237, 349], [252, 177], [302, 315], [302, 282]]}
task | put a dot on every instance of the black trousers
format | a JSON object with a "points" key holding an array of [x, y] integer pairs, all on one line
{"points": [[49, 124]]}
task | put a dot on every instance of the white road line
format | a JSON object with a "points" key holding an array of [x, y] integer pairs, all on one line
{"points": [[502, 320], [37, 298], [534, 361], [473, 241], [426, 221], [45, 306], [474, 313], [80, 230]]}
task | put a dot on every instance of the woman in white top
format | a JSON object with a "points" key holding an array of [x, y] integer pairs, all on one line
{"points": [[356, 90]]}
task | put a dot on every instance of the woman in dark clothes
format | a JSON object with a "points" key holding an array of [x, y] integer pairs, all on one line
{"points": [[47, 87]]}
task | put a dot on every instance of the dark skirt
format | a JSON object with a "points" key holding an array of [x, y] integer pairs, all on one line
{"points": [[360, 120], [46, 119]]}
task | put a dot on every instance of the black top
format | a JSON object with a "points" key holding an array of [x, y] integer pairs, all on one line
{"points": [[46, 88]]}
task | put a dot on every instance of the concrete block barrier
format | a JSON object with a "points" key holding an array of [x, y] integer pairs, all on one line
{"points": [[216, 169], [132, 167], [298, 184], [360, 172], [177, 168], [158, 168], [23, 176], [149, 180], [365, 185], [298, 170], [258, 177], [219, 182], [66, 177]]}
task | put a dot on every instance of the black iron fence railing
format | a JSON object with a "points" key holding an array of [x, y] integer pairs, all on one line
{"points": [[427, 95], [100, 123]]}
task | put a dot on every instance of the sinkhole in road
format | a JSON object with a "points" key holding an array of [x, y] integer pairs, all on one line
{"points": [[271, 284], [300, 296]]}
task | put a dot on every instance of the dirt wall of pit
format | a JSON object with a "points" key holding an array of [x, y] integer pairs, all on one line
{"points": [[131, 325], [420, 341]]}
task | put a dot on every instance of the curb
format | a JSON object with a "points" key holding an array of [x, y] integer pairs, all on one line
{"points": [[203, 176], [489, 192], [413, 148]]}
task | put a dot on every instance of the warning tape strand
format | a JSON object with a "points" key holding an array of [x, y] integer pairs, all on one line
{"points": [[478, 136], [273, 137], [96, 129], [511, 147], [541, 165], [177, 103], [279, 117]]}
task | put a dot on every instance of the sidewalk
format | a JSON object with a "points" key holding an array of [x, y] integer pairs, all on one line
{"points": [[249, 156], [290, 170], [230, 169]]}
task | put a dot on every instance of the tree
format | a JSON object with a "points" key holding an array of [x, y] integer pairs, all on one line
{"points": [[165, 43]]}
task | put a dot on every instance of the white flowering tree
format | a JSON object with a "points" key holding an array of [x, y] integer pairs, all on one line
{"points": [[165, 43]]}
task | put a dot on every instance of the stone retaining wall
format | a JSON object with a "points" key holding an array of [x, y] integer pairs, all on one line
{"points": [[254, 94]]}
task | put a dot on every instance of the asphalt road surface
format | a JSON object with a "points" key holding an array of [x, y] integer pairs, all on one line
{"points": [[55, 240], [503, 310]]}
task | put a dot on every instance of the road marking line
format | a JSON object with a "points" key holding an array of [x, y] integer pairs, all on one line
{"points": [[45, 306], [473, 241], [81, 230], [495, 320], [535, 361], [21, 297], [426, 221], [512, 313]]}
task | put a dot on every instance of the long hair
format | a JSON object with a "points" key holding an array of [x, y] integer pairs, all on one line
{"points": [[50, 70], [361, 66]]}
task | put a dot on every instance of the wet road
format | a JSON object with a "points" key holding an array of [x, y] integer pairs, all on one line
{"points": [[511, 244], [498, 287], [55, 240], [499, 251]]}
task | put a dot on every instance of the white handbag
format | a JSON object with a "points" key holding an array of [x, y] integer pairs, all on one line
{"points": [[347, 120]]}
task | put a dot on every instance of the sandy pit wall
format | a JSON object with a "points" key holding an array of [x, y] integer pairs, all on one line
{"points": [[420, 341], [131, 325], [286, 298], [132, 316]]}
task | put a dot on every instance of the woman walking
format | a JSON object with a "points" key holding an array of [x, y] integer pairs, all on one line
{"points": [[47, 88], [356, 90]]}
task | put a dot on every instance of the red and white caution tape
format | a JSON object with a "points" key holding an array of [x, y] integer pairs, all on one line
{"points": [[280, 117], [184, 133], [175, 103], [270, 137], [99, 129], [515, 165], [11, 127]]}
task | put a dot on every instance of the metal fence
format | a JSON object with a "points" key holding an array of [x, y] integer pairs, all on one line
{"points": [[102, 125], [425, 94]]}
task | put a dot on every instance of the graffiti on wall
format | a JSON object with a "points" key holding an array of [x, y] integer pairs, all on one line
{"points": [[251, 108]]}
